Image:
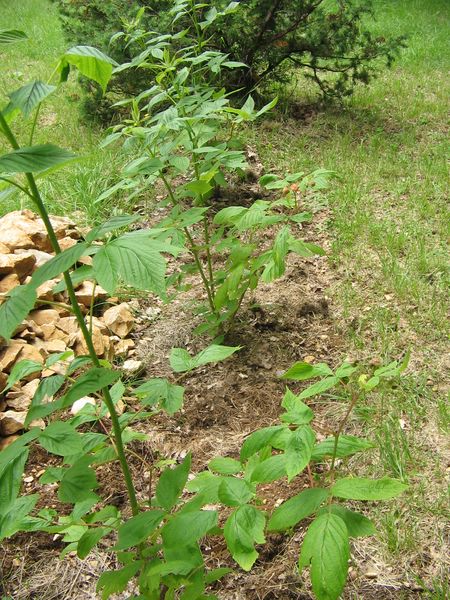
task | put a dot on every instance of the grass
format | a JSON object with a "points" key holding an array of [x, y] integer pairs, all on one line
{"points": [[75, 189], [389, 222]]}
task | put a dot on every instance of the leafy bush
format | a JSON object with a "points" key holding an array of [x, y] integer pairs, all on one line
{"points": [[184, 133]]}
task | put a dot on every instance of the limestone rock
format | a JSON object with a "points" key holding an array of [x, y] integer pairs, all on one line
{"points": [[122, 347], [9, 282], [66, 242], [85, 291], [5, 442], [97, 339], [12, 421], [14, 238], [45, 316], [79, 404], [23, 263], [3, 380], [119, 319], [131, 367], [40, 256], [9, 355]]}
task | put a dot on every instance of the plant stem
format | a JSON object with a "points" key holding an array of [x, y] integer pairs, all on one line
{"points": [[337, 434], [194, 249], [82, 324]]}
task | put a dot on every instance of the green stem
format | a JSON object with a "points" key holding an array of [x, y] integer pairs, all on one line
{"points": [[337, 433], [194, 249], [81, 323]]}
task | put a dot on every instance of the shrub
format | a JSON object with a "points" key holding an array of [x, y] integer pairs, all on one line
{"points": [[329, 40]]}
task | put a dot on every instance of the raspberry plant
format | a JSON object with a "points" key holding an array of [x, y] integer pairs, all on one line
{"points": [[157, 539], [183, 130]]}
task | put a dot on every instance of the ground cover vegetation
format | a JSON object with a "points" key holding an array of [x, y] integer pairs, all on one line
{"points": [[181, 133]]}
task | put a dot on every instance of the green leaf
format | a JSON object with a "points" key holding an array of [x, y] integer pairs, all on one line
{"points": [[326, 550], [161, 390], [59, 263], [270, 469], [114, 582], [298, 450], [138, 528], [89, 540], [259, 439], [347, 445], [171, 483], [92, 381], [298, 413], [243, 528], [301, 371], [29, 96], [10, 36], [13, 519], [207, 485], [225, 465], [116, 222], [297, 508], [61, 438], [361, 488], [181, 360], [320, 387], [20, 370], [135, 259], [77, 482], [11, 479], [235, 492], [34, 159], [180, 163], [199, 187], [357, 525], [214, 353], [91, 63], [185, 528], [13, 311]]}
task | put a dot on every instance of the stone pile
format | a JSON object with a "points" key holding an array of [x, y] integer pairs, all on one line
{"points": [[50, 327]]}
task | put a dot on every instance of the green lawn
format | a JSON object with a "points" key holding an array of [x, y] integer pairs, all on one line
{"points": [[389, 222], [75, 189]]}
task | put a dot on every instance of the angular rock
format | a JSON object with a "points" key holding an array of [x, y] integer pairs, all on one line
{"points": [[79, 404], [10, 355], [5, 442], [14, 237], [3, 249], [66, 242], [122, 347], [9, 282], [40, 256], [131, 367], [11, 422], [3, 380], [23, 263], [55, 346], [119, 319], [85, 291], [98, 340], [44, 316]]}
